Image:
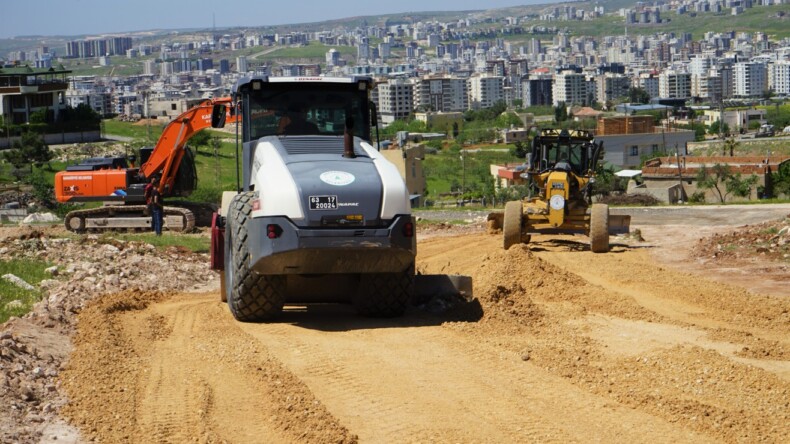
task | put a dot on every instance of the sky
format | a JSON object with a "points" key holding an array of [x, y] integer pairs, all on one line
{"points": [[78, 17]]}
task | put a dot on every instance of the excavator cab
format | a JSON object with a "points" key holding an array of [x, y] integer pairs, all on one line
{"points": [[218, 113]]}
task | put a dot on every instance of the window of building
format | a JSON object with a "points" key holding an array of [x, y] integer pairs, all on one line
{"points": [[172, 106], [633, 150], [654, 148]]}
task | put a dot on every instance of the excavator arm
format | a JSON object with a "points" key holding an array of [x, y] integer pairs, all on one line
{"points": [[169, 150]]}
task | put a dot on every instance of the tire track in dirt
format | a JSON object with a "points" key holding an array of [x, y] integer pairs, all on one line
{"points": [[408, 380], [197, 378], [542, 306]]}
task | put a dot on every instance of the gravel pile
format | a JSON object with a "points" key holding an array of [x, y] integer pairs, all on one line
{"points": [[33, 348]]}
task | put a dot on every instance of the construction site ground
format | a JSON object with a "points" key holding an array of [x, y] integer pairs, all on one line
{"points": [[682, 335]]}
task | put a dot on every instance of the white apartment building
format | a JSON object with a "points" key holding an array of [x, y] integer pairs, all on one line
{"points": [[332, 57], [149, 67], [441, 93], [485, 91], [699, 66], [241, 64], [396, 100], [750, 79], [779, 77], [674, 85], [706, 86], [570, 88]]}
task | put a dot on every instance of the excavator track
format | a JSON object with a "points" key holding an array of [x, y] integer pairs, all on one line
{"points": [[126, 218]]}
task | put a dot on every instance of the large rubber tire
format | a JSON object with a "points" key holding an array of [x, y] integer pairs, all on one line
{"points": [[384, 295], [251, 296], [599, 228], [511, 225], [223, 290]]}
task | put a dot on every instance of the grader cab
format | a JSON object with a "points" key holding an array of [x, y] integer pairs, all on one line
{"points": [[560, 175]]}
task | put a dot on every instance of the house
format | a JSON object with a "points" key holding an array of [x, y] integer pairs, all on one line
{"points": [[25, 90], [671, 179], [408, 160], [735, 118], [508, 175], [627, 139]]}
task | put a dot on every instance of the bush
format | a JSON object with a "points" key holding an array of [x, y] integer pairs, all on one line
{"points": [[697, 197], [644, 200]]}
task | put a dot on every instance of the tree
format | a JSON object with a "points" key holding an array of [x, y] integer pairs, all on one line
{"points": [[29, 149], [519, 150], [201, 138], [715, 127], [781, 180], [638, 95], [729, 145], [560, 112], [723, 182]]}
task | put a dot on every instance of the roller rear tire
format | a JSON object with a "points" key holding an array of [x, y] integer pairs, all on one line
{"points": [[384, 295], [251, 296]]}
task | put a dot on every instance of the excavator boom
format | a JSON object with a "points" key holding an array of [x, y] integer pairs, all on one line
{"points": [[121, 187]]}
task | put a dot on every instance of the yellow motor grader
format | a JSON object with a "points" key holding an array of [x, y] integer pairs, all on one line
{"points": [[560, 173]]}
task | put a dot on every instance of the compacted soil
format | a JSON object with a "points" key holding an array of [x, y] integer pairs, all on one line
{"points": [[658, 340]]}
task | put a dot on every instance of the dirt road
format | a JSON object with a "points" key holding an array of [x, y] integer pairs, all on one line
{"points": [[561, 345]]}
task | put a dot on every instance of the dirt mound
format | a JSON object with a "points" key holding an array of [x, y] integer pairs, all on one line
{"points": [[768, 241], [33, 349]]}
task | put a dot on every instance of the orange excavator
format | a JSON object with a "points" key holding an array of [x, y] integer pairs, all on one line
{"points": [[121, 186]]}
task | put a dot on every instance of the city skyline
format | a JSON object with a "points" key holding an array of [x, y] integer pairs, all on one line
{"points": [[87, 17]]}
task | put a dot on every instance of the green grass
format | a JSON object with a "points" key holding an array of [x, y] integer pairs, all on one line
{"points": [[444, 170], [759, 18], [31, 272], [312, 51]]}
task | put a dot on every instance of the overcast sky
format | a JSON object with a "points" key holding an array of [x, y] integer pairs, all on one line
{"points": [[74, 17]]}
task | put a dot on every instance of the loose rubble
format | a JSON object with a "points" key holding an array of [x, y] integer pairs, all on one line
{"points": [[33, 348], [768, 241]]}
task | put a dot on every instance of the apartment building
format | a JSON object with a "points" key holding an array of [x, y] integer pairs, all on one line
{"points": [[441, 93], [612, 87], [485, 91], [779, 77], [537, 90], [570, 88], [396, 100], [674, 85], [750, 79]]}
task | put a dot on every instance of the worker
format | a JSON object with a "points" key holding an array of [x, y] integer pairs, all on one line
{"points": [[295, 122], [156, 206]]}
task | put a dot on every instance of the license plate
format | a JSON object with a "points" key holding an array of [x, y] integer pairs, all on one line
{"points": [[323, 202]]}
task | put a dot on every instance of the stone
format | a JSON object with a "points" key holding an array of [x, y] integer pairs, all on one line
{"points": [[19, 282]]}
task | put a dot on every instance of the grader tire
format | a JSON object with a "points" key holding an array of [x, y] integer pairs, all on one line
{"points": [[384, 295], [251, 296], [599, 228], [511, 225]]}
